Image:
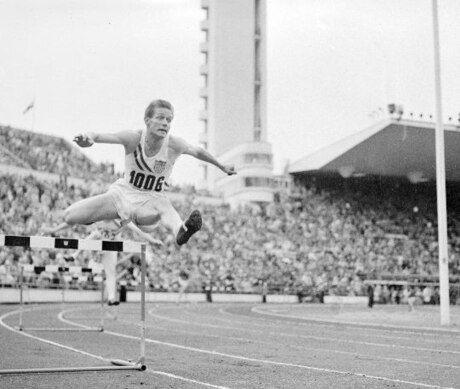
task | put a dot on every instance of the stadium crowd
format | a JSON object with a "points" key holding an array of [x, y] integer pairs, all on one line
{"points": [[325, 237], [49, 153]]}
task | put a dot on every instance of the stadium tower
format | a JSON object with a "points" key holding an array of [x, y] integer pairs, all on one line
{"points": [[234, 97]]}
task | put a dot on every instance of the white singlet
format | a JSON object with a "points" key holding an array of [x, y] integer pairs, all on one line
{"points": [[149, 173], [144, 181]]}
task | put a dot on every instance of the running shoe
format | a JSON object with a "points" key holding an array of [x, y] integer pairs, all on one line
{"points": [[191, 225]]}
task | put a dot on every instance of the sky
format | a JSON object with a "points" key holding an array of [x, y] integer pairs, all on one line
{"points": [[332, 68]]}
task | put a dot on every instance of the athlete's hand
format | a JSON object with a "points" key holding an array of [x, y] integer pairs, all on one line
{"points": [[50, 231], [229, 169], [83, 140], [47, 230], [155, 242]]}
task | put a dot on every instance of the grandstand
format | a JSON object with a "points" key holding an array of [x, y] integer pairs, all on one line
{"points": [[47, 153], [329, 234], [395, 159], [392, 148]]}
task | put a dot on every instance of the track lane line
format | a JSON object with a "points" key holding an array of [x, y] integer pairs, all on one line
{"points": [[304, 326], [389, 327], [334, 323]]}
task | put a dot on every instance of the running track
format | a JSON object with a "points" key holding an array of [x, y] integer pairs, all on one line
{"points": [[237, 346]]}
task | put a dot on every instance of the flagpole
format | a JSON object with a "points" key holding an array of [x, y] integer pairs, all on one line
{"points": [[31, 106], [441, 180], [33, 117]]}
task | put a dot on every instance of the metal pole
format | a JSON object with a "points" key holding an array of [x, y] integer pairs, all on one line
{"points": [[63, 288], [21, 300], [441, 180], [143, 271], [102, 300]]}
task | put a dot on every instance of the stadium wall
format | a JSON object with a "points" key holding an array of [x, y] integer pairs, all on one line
{"points": [[11, 296], [362, 300]]}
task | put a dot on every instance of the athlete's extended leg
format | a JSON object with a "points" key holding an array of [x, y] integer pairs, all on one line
{"points": [[155, 210], [151, 211], [91, 210]]}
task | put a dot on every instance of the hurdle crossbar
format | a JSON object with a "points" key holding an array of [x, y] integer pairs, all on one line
{"points": [[43, 242], [93, 245]]}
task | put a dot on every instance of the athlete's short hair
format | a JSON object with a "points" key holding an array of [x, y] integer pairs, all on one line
{"points": [[150, 110]]}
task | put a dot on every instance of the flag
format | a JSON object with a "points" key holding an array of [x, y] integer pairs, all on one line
{"points": [[29, 107]]}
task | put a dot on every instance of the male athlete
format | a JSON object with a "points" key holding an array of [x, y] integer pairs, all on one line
{"points": [[150, 155]]}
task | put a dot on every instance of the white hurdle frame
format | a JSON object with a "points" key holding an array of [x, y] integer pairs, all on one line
{"points": [[60, 270], [93, 245]]}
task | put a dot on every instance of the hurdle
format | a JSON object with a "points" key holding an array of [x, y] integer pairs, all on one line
{"points": [[91, 245], [60, 270]]}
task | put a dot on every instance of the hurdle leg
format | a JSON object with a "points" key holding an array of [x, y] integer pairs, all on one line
{"points": [[102, 300], [140, 363], [143, 271], [21, 297], [62, 289]]}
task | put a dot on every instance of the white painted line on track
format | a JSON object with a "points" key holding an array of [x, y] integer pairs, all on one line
{"points": [[307, 326], [332, 323], [2, 323], [276, 363], [444, 331], [322, 349], [323, 338], [187, 379]]}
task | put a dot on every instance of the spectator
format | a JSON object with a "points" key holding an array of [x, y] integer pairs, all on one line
{"points": [[370, 295], [427, 295]]}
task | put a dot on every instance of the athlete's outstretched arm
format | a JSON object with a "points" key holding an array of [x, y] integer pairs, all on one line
{"points": [[203, 155], [129, 139], [206, 156]]}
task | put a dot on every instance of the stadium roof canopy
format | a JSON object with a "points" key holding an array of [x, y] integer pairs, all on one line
{"points": [[394, 148]]}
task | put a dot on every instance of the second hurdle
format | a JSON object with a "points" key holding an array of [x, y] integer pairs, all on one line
{"points": [[74, 270]]}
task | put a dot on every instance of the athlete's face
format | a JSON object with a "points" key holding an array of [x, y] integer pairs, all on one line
{"points": [[160, 123]]}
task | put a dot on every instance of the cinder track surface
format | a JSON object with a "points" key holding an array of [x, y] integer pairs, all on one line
{"points": [[236, 346]]}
